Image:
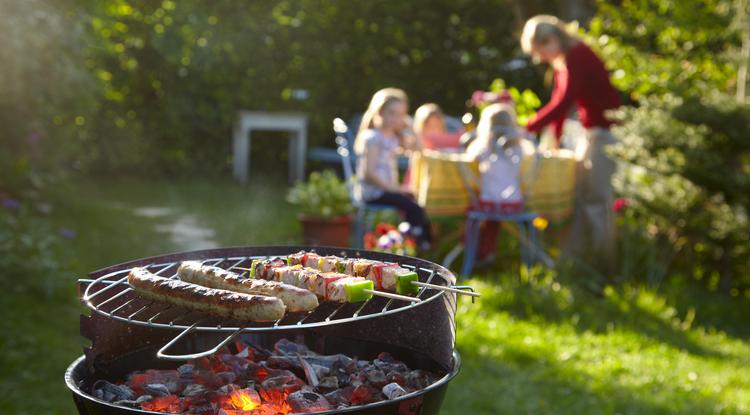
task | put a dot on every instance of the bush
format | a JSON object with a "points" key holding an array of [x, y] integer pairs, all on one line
{"points": [[30, 246], [323, 195], [686, 165]]}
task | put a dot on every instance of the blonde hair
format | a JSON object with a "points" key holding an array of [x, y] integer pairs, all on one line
{"points": [[542, 27], [496, 120], [424, 113], [379, 100]]}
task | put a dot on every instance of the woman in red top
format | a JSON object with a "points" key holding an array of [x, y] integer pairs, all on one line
{"points": [[581, 80]]}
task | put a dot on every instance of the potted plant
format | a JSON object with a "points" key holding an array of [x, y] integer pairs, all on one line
{"points": [[325, 209]]}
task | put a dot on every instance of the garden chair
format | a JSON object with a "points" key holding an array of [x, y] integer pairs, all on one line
{"points": [[456, 186], [364, 212]]}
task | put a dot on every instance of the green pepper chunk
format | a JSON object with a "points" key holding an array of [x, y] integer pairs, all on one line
{"points": [[355, 292], [404, 284]]}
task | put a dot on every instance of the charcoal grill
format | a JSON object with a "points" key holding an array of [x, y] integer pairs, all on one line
{"points": [[121, 321]]}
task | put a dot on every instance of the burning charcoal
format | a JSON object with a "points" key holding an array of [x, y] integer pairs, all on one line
{"points": [[419, 379], [168, 378], [288, 382], [284, 362], [236, 364], [363, 394], [156, 389], [330, 362], [170, 404], [341, 396], [387, 363], [393, 391], [144, 398], [307, 401], [193, 389], [376, 378], [110, 392], [396, 377], [328, 383], [201, 407], [290, 348], [227, 377], [186, 371]]}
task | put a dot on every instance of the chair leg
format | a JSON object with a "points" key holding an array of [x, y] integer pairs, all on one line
{"points": [[472, 240], [533, 243], [523, 243]]}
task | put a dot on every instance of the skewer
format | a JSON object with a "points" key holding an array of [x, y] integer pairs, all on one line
{"points": [[393, 296], [407, 298], [448, 289]]}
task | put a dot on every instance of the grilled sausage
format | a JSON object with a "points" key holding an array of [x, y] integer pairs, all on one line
{"points": [[238, 306], [295, 299]]}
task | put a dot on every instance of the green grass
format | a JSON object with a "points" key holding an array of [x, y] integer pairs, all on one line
{"points": [[538, 346]]}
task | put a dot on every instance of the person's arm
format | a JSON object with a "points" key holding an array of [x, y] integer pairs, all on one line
{"points": [[567, 87]]}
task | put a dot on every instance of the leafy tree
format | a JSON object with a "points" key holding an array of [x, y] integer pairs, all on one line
{"points": [[660, 46]]}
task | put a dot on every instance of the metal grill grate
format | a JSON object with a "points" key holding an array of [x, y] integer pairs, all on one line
{"points": [[110, 295]]}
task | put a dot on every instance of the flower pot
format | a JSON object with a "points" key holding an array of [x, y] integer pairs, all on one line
{"points": [[317, 230]]}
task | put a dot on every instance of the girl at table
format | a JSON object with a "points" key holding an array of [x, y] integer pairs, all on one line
{"points": [[581, 80], [430, 129], [499, 147], [383, 133]]}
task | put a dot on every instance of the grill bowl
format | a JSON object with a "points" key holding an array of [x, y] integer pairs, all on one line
{"points": [[79, 378]]}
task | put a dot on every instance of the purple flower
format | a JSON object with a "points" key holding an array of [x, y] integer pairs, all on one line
{"points": [[11, 203], [67, 233]]}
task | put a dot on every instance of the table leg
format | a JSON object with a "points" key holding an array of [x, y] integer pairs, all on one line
{"points": [[241, 155], [301, 153]]}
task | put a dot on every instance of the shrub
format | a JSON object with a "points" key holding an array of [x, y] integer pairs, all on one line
{"points": [[29, 245], [686, 165], [323, 195]]}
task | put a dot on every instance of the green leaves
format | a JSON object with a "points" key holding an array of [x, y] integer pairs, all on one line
{"points": [[324, 195]]}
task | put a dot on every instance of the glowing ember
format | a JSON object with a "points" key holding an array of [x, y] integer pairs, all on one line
{"points": [[266, 382], [244, 399]]}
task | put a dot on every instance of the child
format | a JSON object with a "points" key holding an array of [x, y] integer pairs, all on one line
{"points": [[429, 127], [382, 134], [499, 147]]}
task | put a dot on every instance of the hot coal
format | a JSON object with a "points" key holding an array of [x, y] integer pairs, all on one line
{"points": [[291, 378]]}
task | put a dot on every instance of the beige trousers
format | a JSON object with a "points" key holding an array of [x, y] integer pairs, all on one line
{"points": [[591, 237]]}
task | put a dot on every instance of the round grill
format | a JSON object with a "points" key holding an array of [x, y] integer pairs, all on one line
{"points": [[111, 296]]}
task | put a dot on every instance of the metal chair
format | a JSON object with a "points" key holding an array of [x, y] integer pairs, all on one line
{"points": [[363, 210], [524, 221]]}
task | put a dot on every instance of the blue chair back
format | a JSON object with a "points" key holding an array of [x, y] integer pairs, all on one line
{"points": [[345, 151]]}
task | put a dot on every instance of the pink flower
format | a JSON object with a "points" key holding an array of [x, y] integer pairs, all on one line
{"points": [[620, 204]]}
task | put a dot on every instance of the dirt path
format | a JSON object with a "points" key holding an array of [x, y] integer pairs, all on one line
{"points": [[183, 229]]}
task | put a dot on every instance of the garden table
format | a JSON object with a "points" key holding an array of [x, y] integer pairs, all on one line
{"points": [[247, 121]]}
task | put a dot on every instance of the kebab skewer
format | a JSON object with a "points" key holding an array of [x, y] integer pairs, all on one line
{"points": [[328, 286], [387, 276]]}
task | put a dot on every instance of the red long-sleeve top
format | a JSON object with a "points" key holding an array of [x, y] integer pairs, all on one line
{"points": [[585, 82]]}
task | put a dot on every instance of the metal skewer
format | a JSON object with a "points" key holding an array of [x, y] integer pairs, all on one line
{"points": [[393, 296], [448, 289]]}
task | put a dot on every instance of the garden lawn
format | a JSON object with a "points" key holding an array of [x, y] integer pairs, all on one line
{"points": [[530, 347]]}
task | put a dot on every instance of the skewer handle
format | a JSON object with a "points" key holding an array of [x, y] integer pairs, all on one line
{"points": [[449, 289], [241, 269], [393, 296]]}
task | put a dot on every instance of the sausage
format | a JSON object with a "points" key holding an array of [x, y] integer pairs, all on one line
{"points": [[295, 299], [233, 305]]}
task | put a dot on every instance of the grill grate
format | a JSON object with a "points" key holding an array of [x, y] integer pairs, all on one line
{"points": [[110, 295]]}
